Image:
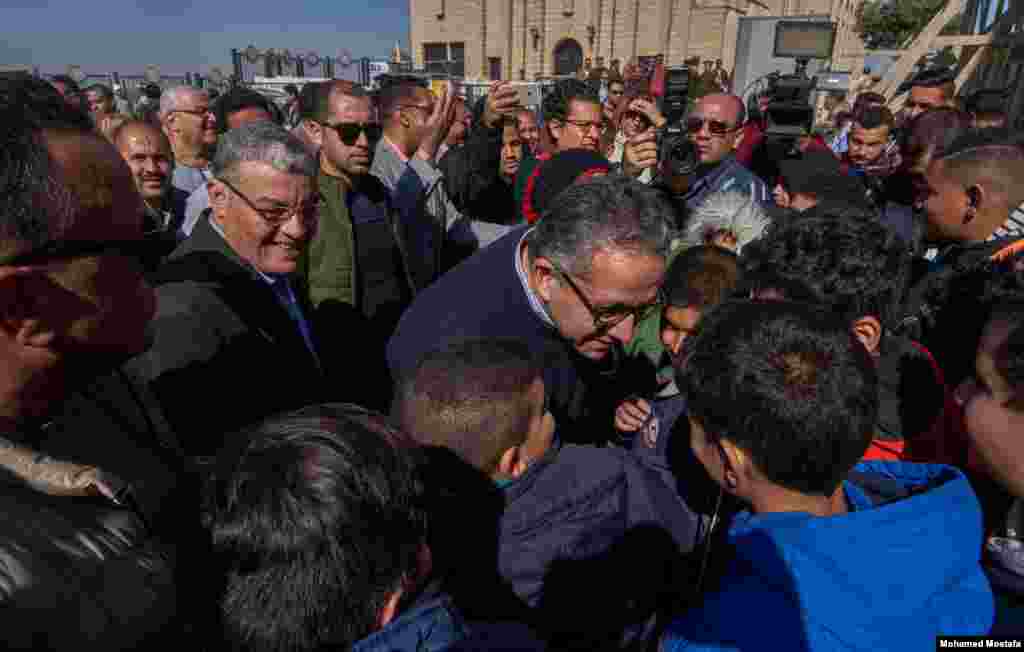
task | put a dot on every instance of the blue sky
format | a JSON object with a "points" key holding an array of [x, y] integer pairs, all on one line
{"points": [[190, 35]]}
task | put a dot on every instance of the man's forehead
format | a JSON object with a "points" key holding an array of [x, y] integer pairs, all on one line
{"points": [[583, 108], [879, 133], [195, 100], [342, 103], [719, 108], [136, 139], [264, 180]]}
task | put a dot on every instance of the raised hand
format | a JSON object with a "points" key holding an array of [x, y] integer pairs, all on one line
{"points": [[438, 124], [640, 153], [502, 101]]}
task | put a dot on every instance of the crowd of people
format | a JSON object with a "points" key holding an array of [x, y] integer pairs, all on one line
{"points": [[387, 371]]}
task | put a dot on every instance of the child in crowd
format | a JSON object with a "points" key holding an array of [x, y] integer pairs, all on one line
{"points": [[697, 280], [991, 397], [588, 536], [832, 554], [845, 258]]}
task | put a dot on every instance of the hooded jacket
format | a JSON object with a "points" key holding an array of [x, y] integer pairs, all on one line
{"points": [[898, 569]]}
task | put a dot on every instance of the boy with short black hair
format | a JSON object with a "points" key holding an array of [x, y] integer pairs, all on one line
{"points": [[697, 280], [832, 554], [847, 259], [587, 536]]}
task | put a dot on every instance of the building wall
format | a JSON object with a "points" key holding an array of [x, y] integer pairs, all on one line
{"points": [[622, 29]]}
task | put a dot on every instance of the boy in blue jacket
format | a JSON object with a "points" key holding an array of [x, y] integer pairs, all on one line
{"points": [[832, 554]]}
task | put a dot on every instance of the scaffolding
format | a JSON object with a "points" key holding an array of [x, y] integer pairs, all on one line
{"points": [[991, 52]]}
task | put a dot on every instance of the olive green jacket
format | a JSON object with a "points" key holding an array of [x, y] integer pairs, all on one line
{"points": [[329, 265]]}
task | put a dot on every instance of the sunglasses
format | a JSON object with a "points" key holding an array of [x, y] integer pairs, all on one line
{"points": [[349, 132], [716, 127], [137, 250]]}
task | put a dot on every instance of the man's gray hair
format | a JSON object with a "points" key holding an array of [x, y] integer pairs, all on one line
{"points": [[264, 142], [610, 213], [173, 98], [732, 213]]}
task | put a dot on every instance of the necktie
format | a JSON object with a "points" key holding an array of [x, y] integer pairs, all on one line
{"points": [[287, 298]]}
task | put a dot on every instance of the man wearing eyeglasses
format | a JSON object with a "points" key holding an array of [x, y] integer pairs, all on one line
{"points": [[94, 489], [232, 342], [188, 120], [715, 127], [239, 106], [574, 286], [573, 119]]}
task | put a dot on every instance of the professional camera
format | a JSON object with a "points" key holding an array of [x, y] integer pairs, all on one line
{"points": [[677, 166], [679, 155]]}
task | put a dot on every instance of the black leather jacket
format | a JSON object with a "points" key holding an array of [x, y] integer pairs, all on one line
{"points": [[78, 567]]}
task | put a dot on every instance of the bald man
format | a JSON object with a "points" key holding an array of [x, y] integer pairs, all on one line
{"points": [[715, 127], [147, 152]]}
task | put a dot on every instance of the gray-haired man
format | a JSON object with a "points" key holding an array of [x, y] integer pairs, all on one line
{"points": [[574, 286], [232, 343], [188, 120]]}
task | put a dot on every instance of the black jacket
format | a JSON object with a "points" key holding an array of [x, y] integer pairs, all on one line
{"points": [[472, 179], [225, 352], [98, 506]]}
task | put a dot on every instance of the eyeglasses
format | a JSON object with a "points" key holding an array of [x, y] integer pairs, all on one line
{"points": [[608, 317], [202, 113], [715, 127], [349, 132], [136, 250], [307, 213], [585, 125]]}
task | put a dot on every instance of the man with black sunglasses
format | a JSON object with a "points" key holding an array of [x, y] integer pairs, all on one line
{"points": [[363, 259], [97, 500], [715, 127]]}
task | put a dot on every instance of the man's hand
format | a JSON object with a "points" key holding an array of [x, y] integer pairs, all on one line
{"points": [[438, 124], [632, 414], [649, 109], [502, 101], [640, 153]]}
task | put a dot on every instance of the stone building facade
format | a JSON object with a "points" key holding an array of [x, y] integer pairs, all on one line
{"points": [[527, 39]]}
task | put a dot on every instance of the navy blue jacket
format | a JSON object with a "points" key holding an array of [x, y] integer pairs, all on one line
{"points": [[898, 569], [484, 297], [594, 540]]}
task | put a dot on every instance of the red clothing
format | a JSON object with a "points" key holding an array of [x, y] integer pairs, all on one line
{"points": [[752, 138], [944, 443]]}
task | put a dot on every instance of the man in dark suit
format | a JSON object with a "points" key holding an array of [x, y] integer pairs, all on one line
{"points": [[231, 342]]}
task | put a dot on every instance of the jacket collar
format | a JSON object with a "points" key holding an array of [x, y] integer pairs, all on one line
{"points": [[430, 624]]}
